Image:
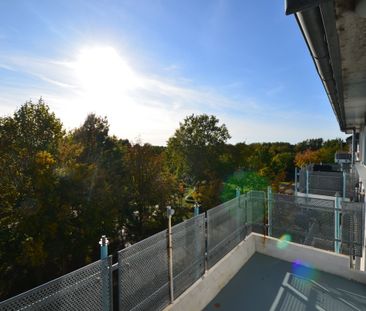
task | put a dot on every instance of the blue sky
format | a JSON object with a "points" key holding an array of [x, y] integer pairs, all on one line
{"points": [[147, 64]]}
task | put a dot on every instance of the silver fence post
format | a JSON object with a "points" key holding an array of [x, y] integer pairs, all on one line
{"points": [[269, 206], [353, 148], [295, 181], [103, 242], [344, 184], [249, 205], [170, 213], [307, 182], [336, 224], [237, 194], [239, 223]]}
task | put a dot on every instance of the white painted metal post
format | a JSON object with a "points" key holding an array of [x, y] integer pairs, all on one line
{"points": [[170, 213]]}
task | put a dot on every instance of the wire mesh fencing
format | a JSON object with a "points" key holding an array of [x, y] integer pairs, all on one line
{"points": [[225, 229], [304, 220], [88, 288], [143, 268], [320, 223], [352, 228], [143, 274], [328, 183], [257, 211], [188, 253]]}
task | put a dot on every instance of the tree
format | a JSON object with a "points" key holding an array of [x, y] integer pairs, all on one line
{"points": [[152, 188], [96, 185], [29, 208], [306, 157], [309, 144], [244, 180], [193, 150]]}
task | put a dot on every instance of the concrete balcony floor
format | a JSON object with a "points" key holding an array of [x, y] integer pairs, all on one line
{"points": [[268, 283]]}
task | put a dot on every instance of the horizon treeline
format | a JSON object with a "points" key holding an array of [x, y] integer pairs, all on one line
{"points": [[60, 191]]}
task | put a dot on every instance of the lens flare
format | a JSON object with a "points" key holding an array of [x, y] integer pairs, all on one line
{"points": [[283, 242], [303, 269]]}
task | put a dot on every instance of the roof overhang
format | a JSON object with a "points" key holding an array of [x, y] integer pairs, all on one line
{"points": [[335, 33]]}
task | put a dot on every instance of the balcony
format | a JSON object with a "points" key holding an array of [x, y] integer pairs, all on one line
{"points": [[187, 267]]}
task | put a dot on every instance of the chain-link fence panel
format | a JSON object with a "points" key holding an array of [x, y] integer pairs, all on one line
{"points": [[188, 253], [224, 230], [257, 211], [328, 183], [143, 274], [243, 216], [302, 181], [304, 220], [352, 185], [88, 288], [352, 230]]}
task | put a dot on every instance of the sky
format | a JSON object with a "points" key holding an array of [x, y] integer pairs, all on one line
{"points": [[145, 65]]}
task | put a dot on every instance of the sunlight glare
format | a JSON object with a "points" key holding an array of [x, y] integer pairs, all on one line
{"points": [[101, 71], [284, 241]]}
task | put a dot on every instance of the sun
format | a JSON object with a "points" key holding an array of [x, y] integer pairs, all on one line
{"points": [[102, 71]]}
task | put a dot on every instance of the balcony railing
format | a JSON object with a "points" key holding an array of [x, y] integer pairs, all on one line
{"points": [[327, 183], [197, 245]]}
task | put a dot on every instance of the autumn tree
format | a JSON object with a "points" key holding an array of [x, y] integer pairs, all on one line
{"points": [[306, 157]]}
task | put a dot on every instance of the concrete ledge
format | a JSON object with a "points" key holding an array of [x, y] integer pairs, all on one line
{"points": [[320, 259], [206, 288]]}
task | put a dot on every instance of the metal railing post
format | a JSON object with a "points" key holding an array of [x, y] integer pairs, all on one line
{"points": [[239, 223], [336, 224], [206, 240], [237, 193], [196, 210], [170, 213], [103, 242], [295, 181], [344, 184], [106, 290], [353, 148], [307, 182], [249, 206], [269, 206]]}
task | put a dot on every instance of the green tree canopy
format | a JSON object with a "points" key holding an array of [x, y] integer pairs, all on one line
{"points": [[244, 180], [193, 150]]}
